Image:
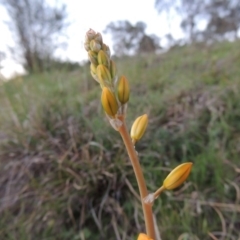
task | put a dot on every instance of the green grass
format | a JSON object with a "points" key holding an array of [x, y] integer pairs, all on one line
{"points": [[64, 172]]}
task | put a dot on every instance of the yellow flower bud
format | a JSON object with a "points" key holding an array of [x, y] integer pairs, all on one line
{"points": [[113, 69], [103, 58], [92, 56], [177, 176], [104, 76], [95, 46], [123, 90], [138, 128], [109, 102], [143, 236]]}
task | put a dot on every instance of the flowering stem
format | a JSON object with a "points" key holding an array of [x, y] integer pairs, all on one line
{"points": [[147, 208]]}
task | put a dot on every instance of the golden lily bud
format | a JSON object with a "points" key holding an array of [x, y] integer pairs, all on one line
{"points": [[123, 90], [143, 236], [90, 35], [109, 102], [92, 56], [103, 58], [113, 69], [104, 76], [95, 46], [177, 176], [174, 179], [138, 128]]}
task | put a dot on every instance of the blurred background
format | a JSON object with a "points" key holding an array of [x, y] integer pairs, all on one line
{"points": [[64, 172]]}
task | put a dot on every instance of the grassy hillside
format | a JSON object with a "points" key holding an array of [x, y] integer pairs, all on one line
{"points": [[64, 173]]}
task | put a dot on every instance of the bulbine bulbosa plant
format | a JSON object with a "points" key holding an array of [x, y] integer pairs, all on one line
{"points": [[114, 98]]}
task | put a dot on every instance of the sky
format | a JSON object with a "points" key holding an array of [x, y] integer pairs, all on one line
{"points": [[97, 15]]}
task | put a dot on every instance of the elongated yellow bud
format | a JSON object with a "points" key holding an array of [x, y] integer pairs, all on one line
{"points": [[104, 76], [109, 102], [103, 58], [138, 128], [143, 236], [174, 179], [123, 90], [113, 69], [177, 176]]}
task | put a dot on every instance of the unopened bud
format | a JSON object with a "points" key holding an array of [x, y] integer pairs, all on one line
{"points": [[138, 128], [92, 56], [109, 102], [104, 76], [123, 90], [177, 176], [95, 46], [103, 58], [113, 69]]}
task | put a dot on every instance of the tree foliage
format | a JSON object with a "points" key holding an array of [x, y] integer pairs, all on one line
{"points": [[222, 17], [131, 39], [36, 27]]}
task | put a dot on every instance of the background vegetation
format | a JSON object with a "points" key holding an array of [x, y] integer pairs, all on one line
{"points": [[64, 173]]}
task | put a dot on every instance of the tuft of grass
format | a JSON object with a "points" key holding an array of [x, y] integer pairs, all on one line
{"points": [[64, 173]]}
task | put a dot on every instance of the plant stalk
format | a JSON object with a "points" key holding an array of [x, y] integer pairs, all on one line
{"points": [[147, 208]]}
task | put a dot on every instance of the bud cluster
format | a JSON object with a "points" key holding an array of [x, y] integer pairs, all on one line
{"points": [[115, 91], [102, 67]]}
